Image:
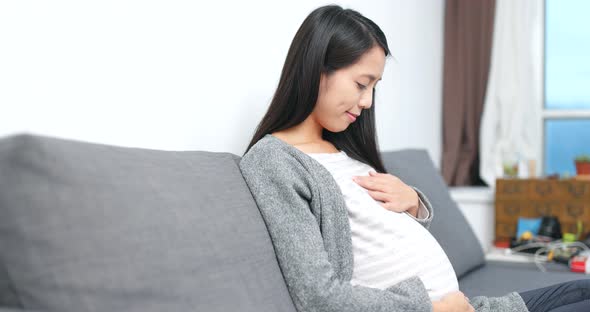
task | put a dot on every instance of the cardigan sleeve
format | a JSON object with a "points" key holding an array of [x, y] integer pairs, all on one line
{"points": [[282, 190], [423, 213], [425, 209]]}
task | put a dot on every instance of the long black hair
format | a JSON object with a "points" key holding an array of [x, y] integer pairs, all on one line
{"points": [[329, 39]]}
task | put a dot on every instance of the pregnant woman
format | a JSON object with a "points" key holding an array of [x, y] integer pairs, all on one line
{"points": [[349, 236]]}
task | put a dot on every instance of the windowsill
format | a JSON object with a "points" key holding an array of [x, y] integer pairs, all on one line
{"points": [[473, 194]]}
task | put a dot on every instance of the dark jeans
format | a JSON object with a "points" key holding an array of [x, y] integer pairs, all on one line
{"points": [[573, 296]]}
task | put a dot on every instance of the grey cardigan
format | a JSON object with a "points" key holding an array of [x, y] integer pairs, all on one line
{"points": [[306, 217]]}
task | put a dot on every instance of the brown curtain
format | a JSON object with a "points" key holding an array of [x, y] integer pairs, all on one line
{"points": [[468, 35]]}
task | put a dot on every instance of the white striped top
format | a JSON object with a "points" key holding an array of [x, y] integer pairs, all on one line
{"points": [[388, 246]]}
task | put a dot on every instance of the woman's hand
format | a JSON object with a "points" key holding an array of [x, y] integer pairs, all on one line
{"points": [[453, 302], [394, 194]]}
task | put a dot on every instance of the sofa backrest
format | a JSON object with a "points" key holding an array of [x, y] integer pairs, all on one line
{"points": [[449, 226], [92, 227]]}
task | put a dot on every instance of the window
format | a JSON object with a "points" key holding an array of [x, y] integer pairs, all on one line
{"points": [[566, 109]]}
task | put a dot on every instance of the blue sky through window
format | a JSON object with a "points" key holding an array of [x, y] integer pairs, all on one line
{"points": [[564, 140], [567, 82], [567, 54]]}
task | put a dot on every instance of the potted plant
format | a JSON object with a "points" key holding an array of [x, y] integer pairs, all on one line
{"points": [[583, 164], [510, 169]]}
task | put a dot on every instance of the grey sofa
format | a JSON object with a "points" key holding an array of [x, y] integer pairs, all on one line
{"points": [[93, 227]]}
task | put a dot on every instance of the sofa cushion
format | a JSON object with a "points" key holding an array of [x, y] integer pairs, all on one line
{"points": [[93, 227], [497, 278], [449, 226]]}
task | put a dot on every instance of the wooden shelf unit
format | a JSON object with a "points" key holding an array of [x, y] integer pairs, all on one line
{"points": [[567, 199]]}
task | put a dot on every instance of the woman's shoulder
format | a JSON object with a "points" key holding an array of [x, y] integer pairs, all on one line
{"points": [[269, 151], [270, 156], [267, 148]]}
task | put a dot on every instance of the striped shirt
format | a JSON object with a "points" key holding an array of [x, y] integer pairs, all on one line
{"points": [[388, 246]]}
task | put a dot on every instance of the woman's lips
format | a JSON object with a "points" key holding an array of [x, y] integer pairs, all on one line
{"points": [[351, 116]]}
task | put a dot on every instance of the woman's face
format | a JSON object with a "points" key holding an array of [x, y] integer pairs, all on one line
{"points": [[348, 90]]}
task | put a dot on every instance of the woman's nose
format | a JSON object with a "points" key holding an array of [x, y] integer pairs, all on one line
{"points": [[365, 102]]}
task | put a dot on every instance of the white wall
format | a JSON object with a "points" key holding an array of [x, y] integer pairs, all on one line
{"points": [[477, 205], [188, 75]]}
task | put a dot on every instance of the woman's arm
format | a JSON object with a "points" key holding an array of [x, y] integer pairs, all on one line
{"points": [[282, 189]]}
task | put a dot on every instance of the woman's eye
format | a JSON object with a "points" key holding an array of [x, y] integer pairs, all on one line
{"points": [[362, 87]]}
